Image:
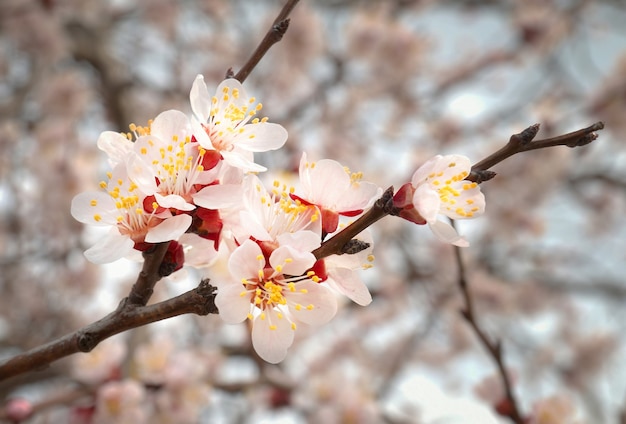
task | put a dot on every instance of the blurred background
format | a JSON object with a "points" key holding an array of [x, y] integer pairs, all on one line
{"points": [[380, 86]]}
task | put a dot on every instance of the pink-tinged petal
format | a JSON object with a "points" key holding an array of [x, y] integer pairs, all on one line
{"points": [[219, 196], [424, 171], [200, 99], [452, 166], [316, 305], [446, 233], [242, 161], [304, 241], [426, 202], [173, 201], [244, 262], [171, 123], [290, 261], [323, 175], [141, 173], [199, 252], [233, 307], [115, 145], [348, 283], [248, 226], [272, 336], [148, 148], [230, 93], [261, 137], [94, 208], [201, 136], [170, 229], [110, 248]]}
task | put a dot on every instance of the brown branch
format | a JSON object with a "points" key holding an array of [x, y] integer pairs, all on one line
{"points": [[199, 301], [273, 36], [493, 348], [335, 244], [523, 142], [143, 288]]}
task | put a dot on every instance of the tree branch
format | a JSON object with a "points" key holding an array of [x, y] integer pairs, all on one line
{"points": [[523, 142], [493, 348], [273, 36], [199, 301]]}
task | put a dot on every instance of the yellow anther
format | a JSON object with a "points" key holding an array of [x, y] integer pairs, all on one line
{"points": [[309, 307], [250, 317], [243, 293], [93, 202], [370, 258], [293, 326], [144, 151], [97, 218], [262, 316], [273, 327], [298, 307]]}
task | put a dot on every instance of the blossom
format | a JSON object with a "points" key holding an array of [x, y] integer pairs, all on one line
{"points": [[226, 123], [275, 295], [334, 190], [169, 163], [132, 218], [265, 215], [439, 187]]}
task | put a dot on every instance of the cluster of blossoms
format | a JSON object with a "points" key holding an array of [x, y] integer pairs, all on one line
{"points": [[192, 182]]}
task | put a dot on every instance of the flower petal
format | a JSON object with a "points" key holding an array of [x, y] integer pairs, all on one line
{"points": [[173, 201], [243, 262], [170, 229], [94, 208], [115, 145], [110, 248], [233, 307], [317, 304], [219, 196], [348, 283], [445, 232], [169, 124], [427, 202], [291, 261], [261, 137], [200, 99], [272, 336]]}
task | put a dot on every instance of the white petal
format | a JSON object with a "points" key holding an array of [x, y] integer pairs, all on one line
{"points": [[272, 336], [292, 261], [199, 252], [219, 196], [170, 123], [233, 307], [242, 161], [304, 241], [170, 229], [445, 232], [243, 262], [321, 300], [110, 248], [261, 137], [115, 145], [200, 99], [141, 173], [424, 171], [173, 201], [427, 202], [85, 206], [348, 283]]}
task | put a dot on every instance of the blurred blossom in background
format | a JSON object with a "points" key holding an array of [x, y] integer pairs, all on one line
{"points": [[380, 87]]}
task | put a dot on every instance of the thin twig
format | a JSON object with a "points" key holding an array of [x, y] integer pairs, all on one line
{"points": [[523, 142], [273, 36], [199, 301], [493, 347]]}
